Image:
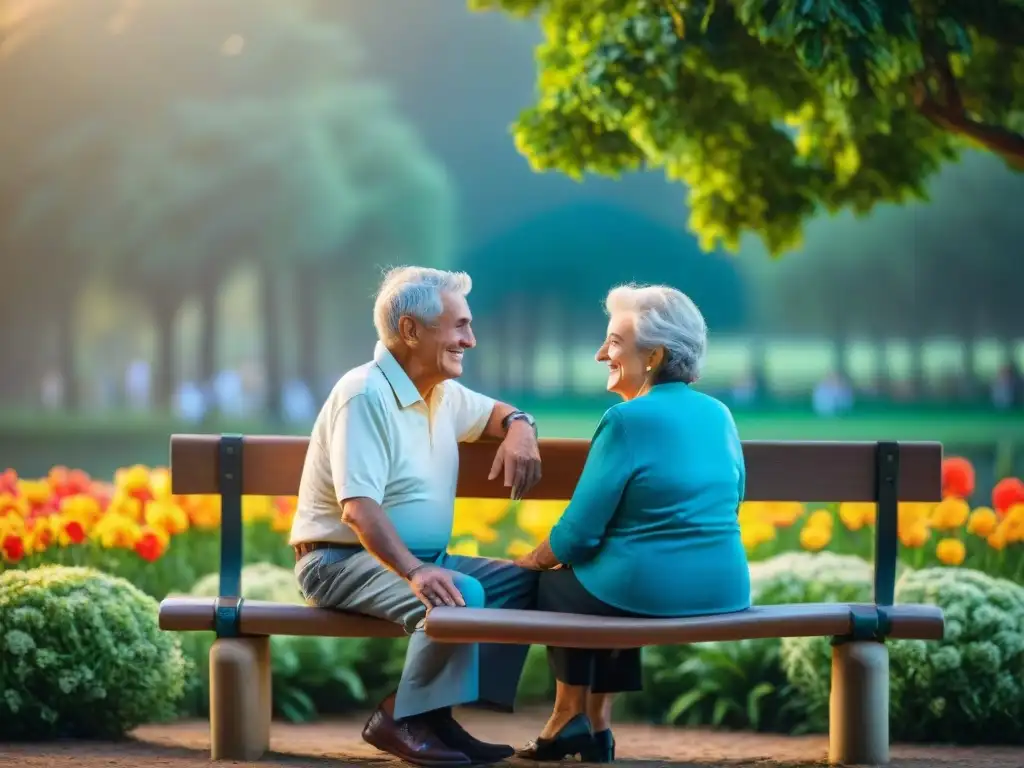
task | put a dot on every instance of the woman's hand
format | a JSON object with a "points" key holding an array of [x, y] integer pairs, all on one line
{"points": [[540, 559]]}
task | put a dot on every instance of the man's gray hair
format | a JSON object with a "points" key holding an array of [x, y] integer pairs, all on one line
{"points": [[665, 318], [416, 292]]}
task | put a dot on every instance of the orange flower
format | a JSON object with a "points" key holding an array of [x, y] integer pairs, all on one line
{"points": [[1006, 493], [13, 548], [9, 482], [950, 551], [957, 477], [982, 522], [914, 534], [950, 513]]}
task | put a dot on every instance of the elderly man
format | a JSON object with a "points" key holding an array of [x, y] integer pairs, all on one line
{"points": [[375, 509]]}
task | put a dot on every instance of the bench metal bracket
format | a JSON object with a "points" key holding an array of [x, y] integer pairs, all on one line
{"points": [[229, 603], [872, 622]]}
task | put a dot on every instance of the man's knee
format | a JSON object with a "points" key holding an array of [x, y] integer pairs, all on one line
{"points": [[472, 591]]}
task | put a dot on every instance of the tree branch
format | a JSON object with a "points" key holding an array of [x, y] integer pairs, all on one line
{"points": [[947, 112]]}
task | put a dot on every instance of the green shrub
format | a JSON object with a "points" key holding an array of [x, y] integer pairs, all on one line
{"points": [[311, 675], [741, 684], [81, 656], [966, 688]]}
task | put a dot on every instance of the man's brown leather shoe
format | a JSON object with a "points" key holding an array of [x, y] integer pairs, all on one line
{"points": [[411, 740]]}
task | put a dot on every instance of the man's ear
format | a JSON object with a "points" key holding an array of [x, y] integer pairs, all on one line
{"points": [[409, 331]]}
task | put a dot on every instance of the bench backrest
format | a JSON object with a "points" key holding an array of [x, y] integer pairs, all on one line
{"points": [[776, 471], [884, 472]]}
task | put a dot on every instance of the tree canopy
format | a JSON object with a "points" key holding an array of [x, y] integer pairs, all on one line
{"points": [[771, 110]]}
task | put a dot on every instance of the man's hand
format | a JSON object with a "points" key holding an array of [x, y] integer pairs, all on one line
{"points": [[520, 457], [435, 586]]}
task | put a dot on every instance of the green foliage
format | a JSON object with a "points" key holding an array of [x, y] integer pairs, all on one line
{"points": [[967, 688], [742, 685], [81, 656], [308, 672], [810, 577], [771, 109]]}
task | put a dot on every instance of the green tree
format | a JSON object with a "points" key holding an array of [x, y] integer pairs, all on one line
{"points": [[770, 110]]}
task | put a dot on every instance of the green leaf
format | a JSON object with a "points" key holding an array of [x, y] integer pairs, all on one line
{"points": [[683, 704], [757, 693]]}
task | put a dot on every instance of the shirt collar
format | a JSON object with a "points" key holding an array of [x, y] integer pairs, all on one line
{"points": [[399, 380]]}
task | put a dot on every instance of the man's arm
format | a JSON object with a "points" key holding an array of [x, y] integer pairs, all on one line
{"points": [[519, 455], [360, 465]]}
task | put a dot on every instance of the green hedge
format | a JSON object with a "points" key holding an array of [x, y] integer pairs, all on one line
{"points": [[81, 655]]}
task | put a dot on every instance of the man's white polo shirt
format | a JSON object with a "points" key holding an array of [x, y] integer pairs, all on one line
{"points": [[376, 437]]}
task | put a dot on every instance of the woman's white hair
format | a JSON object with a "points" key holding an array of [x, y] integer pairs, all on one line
{"points": [[666, 318], [416, 292]]}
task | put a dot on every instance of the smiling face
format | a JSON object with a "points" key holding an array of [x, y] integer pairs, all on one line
{"points": [[440, 345], [627, 365]]}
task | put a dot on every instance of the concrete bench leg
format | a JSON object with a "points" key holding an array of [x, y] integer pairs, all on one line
{"points": [[240, 698], [859, 704]]}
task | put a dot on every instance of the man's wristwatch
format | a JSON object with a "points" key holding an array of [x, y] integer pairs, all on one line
{"points": [[519, 416]]}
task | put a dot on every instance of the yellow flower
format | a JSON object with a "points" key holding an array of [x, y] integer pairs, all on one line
{"points": [[982, 522], [132, 479], [950, 551], [1013, 523], [116, 530], [815, 537], [914, 534], [519, 548], [166, 516], [122, 503], [82, 508], [911, 512], [537, 518], [821, 517], [35, 491], [256, 508], [160, 483], [756, 532], [467, 547], [40, 534], [950, 513], [753, 510], [855, 515], [11, 505], [203, 511], [784, 513]]}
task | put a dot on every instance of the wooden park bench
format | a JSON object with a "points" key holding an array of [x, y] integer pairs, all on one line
{"points": [[884, 473]]}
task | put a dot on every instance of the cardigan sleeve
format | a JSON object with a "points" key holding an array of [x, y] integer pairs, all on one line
{"points": [[577, 536]]}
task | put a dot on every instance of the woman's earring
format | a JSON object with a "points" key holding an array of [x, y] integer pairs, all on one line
{"points": [[648, 369]]}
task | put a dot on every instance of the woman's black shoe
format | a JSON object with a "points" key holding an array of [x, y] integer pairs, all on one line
{"points": [[604, 747], [574, 739]]}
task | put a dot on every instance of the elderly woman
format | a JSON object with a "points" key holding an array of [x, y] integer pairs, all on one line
{"points": [[652, 528]]}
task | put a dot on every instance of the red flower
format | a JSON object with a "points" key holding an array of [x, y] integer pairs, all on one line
{"points": [[75, 532], [149, 547], [13, 548], [957, 477], [1008, 492]]}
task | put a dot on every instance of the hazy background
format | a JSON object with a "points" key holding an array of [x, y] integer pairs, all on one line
{"points": [[197, 199]]}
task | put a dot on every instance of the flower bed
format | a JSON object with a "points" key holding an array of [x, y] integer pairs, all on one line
{"points": [[135, 527]]}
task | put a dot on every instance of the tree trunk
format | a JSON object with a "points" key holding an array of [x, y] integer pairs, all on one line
{"points": [[65, 313], [271, 306], [208, 294], [307, 306], [165, 371]]}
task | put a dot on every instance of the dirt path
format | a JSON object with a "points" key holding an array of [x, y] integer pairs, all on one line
{"points": [[337, 743]]}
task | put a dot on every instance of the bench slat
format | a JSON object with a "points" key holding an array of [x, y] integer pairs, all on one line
{"points": [[258, 617], [922, 622], [776, 471]]}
